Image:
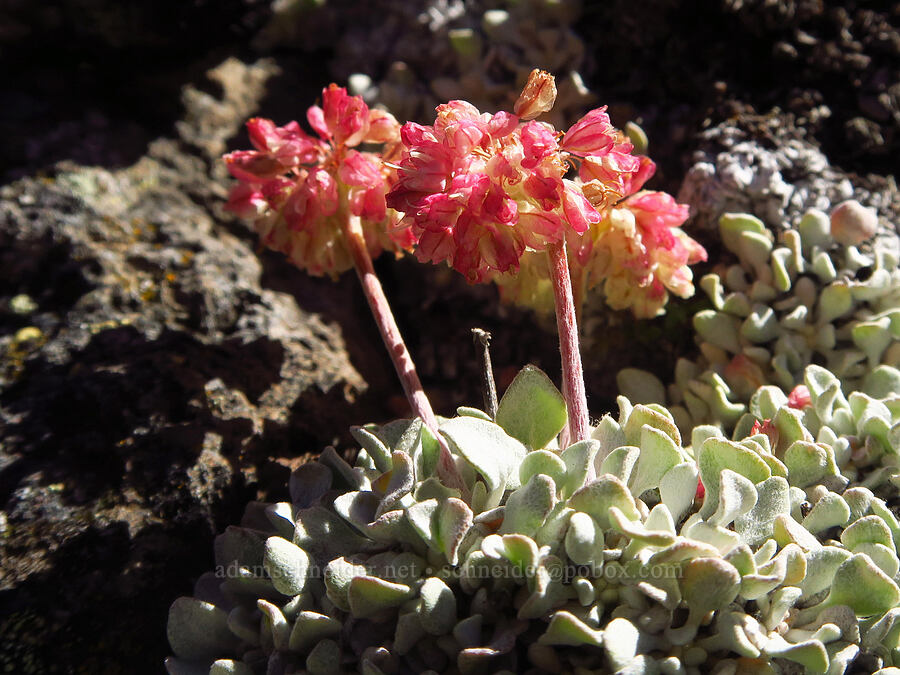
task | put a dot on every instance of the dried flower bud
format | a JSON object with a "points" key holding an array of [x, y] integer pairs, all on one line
{"points": [[852, 223], [537, 97]]}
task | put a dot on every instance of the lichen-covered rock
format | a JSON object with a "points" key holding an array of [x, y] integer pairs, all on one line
{"points": [[147, 375], [772, 172]]}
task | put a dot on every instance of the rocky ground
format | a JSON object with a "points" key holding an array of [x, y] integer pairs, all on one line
{"points": [[156, 372]]}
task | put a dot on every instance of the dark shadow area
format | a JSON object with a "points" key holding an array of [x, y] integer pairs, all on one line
{"points": [[94, 81], [675, 64], [125, 386], [106, 583]]}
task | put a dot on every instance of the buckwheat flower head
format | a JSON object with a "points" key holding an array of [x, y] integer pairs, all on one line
{"points": [[639, 253], [297, 188], [478, 190]]}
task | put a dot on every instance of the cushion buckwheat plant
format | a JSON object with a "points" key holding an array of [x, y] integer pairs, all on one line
{"points": [[528, 541], [784, 565]]}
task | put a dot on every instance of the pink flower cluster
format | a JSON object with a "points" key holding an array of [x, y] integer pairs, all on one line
{"points": [[485, 192], [298, 188], [639, 252], [478, 190]]}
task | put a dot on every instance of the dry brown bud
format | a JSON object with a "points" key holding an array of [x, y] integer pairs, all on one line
{"points": [[537, 97]]}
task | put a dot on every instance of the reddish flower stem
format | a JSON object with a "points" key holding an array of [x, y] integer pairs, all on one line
{"points": [[579, 282], [393, 341], [567, 326]]}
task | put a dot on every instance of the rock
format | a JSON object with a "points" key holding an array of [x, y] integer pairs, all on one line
{"points": [[763, 165], [147, 390]]}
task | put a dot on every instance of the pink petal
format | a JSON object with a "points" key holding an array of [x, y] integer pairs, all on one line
{"points": [[246, 201], [537, 142], [252, 166], [383, 127], [579, 212], [593, 134], [316, 118]]}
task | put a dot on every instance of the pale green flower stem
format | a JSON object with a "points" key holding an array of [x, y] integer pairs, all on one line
{"points": [[393, 341], [567, 325]]}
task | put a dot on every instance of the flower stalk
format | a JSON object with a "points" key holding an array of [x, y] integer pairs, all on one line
{"points": [[566, 324], [390, 334]]}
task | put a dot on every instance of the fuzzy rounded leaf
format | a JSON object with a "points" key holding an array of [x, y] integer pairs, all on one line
{"points": [[821, 566], [786, 530], [325, 658], [810, 654], [659, 453], [437, 610], [281, 515], [638, 532], [338, 575], [466, 411], [324, 535], [678, 487], [578, 457], [620, 642], [454, 519], [239, 546], [488, 448], [357, 508], [527, 507], [620, 462], [307, 484], [230, 667], [198, 630], [518, 549], [883, 556], [767, 401], [583, 539], [807, 463], [640, 386], [761, 325], [566, 629], [376, 449], [401, 483], [737, 495], [717, 454], [310, 628], [835, 300], [872, 337], [815, 229], [719, 329], [830, 510], [554, 527], [868, 529], [709, 584], [370, 595], [287, 565], [597, 497], [532, 409], [860, 585], [545, 462], [883, 381], [651, 415], [275, 623], [732, 225]]}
